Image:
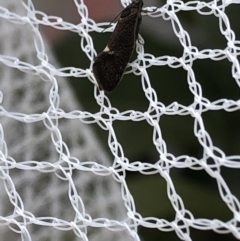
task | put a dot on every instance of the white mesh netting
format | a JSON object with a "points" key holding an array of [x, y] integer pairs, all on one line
{"points": [[56, 181]]}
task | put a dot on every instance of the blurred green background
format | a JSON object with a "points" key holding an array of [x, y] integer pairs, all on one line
{"points": [[198, 191]]}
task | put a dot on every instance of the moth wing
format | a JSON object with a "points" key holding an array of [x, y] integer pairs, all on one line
{"points": [[108, 69]]}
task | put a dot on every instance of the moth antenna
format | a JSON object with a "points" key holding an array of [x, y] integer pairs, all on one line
{"points": [[112, 21]]}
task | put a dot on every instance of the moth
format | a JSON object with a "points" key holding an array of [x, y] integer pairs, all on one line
{"points": [[109, 66]]}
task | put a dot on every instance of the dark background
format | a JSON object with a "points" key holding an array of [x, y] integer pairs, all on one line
{"points": [[198, 190]]}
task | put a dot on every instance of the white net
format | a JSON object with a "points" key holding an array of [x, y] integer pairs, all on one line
{"points": [[56, 180]]}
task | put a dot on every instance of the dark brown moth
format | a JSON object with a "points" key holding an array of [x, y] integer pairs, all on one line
{"points": [[110, 64]]}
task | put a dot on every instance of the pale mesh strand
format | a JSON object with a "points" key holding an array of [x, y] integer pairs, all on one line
{"points": [[203, 104], [58, 153]]}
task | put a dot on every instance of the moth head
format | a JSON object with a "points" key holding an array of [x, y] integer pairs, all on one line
{"points": [[133, 8]]}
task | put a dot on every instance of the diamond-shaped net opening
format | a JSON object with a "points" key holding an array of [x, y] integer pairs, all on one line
{"points": [[157, 159]]}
